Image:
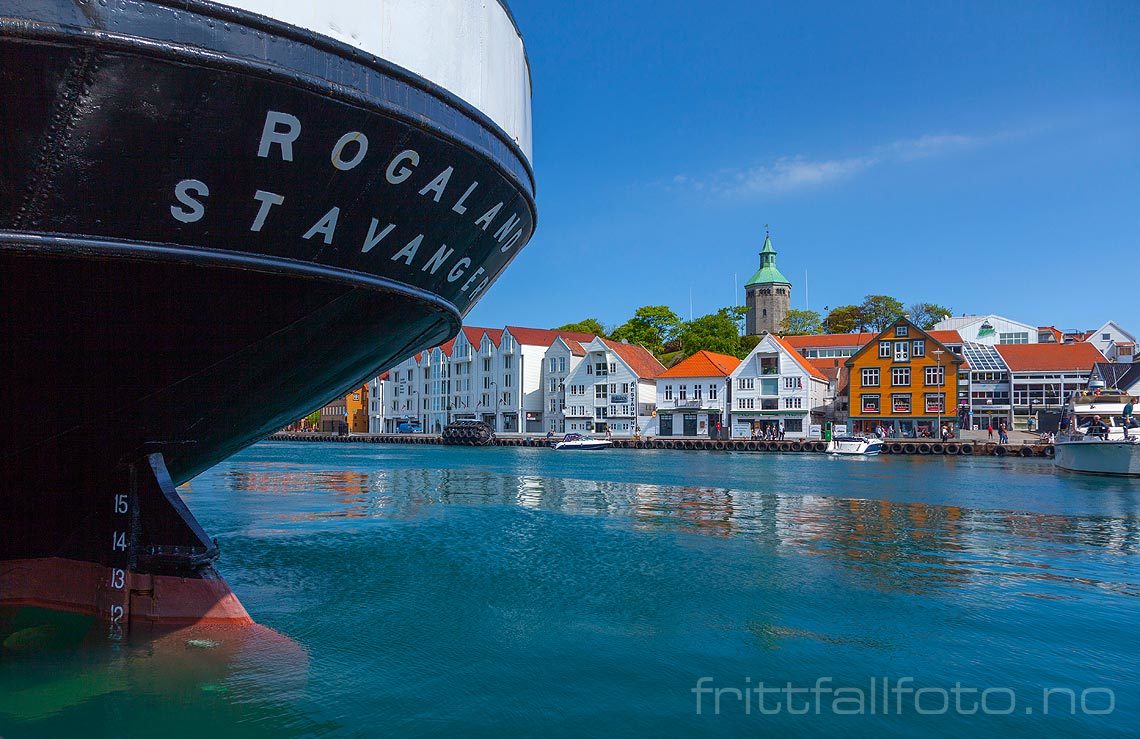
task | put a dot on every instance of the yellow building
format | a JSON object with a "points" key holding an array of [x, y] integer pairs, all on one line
{"points": [[906, 380], [356, 410]]}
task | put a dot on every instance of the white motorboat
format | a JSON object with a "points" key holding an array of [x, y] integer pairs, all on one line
{"points": [[1093, 438], [865, 446], [582, 442]]}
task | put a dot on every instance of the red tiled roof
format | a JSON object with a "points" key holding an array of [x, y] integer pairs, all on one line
{"points": [[946, 337], [703, 364], [819, 341], [829, 367], [446, 347], [640, 359], [808, 366], [384, 377], [1050, 357], [576, 347], [545, 336]]}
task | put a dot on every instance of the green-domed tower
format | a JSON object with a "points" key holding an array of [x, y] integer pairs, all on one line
{"points": [[768, 294]]}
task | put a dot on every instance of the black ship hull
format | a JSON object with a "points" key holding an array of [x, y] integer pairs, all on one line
{"points": [[210, 223]]}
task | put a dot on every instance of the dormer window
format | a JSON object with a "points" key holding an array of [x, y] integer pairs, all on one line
{"points": [[900, 330]]}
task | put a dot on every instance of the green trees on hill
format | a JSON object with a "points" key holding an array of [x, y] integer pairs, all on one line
{"points": [[652, 326], [661, 331], [876, 312], [586, 326]]}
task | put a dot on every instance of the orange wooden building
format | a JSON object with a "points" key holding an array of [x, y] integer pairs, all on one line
{"points": [[906, 380]]}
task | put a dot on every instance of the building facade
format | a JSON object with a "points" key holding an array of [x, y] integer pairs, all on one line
{"points": [[775, 389], [692, 396], [356, 410], [1114, 342], [901, 381], [613, 389], [559, 361], [990, 329], [767, 295], [1043, 377]]}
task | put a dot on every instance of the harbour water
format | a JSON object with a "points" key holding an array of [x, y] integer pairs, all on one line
{"points": [[428, 590]]}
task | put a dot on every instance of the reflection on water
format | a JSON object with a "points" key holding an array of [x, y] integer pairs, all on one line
{"points": [[906, 546], [523, 592]]}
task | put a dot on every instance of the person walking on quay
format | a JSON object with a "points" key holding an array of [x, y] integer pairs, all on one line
{"points": [[1003, 436], [990, 429], [781, 430]]}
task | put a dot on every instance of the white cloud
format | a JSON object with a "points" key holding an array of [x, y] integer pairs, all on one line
{"points": [[793, 173]]}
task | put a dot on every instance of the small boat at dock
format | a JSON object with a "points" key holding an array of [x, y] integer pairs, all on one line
{"points": [[581, 442], [856, 446], [1094, 437]]}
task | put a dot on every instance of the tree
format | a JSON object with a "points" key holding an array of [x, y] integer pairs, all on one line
{"points": [[716, 332], [800, 322], [314, 418], [652, 326], [879, 311], [586, 326], [925, 315], [842, 320]]}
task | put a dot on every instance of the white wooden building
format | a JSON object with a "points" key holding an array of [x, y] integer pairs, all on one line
{"points": [[774, 387], [990, 329], [612, 389], [692, 396]]}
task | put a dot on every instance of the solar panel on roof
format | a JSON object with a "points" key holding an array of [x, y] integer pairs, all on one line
{"points": [[983, 358]]}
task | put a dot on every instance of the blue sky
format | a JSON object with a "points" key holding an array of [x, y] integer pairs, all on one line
{"points": [[973, 154]]}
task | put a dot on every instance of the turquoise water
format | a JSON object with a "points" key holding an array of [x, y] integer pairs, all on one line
{"points": [[505, 591]]}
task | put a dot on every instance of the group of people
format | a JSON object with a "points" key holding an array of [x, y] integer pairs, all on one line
{"points": [[1002, 429], [770, 432]]}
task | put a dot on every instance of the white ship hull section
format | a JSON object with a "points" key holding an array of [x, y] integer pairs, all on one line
{"points": [[1105, 458], [471, 48]]}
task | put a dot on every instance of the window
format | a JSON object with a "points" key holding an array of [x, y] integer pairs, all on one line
{"points": [[625, 387], [900, 330], [553, 364], [507, 362], [506, 398], [935, 403], [794, 425], [745, 403], [697, 392], [683, 392], [900, 376], [745, 383], [769, 365], [589, 369], [601, 412], [600, 391], [871, 377], [884, 349], [613, 368], [506, 380], [486, 365], [712, 392], [1018, 337], [918, 349], [900, 403], [792, 383], [553, 405], [668, 392], [902, 351], [600, 368], [1103, 337], [793, 402], [935, 376], [769, 404], [562, 364], [770, 386]]}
